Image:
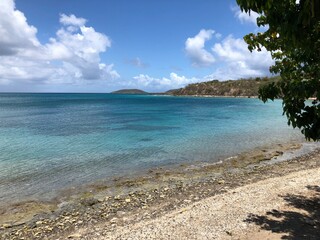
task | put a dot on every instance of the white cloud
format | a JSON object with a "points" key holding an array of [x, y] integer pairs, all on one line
{"points": [[173, 81], [71, 57], [233, 58], [245, 17], [218, 35], [239, 61], [229, 56], [195, 49], [72, 20], [15, 33]]}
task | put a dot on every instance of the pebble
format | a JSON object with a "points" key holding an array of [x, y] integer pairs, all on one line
{"points": [[65, 218], [48, 228], [6, 225], [182, 210], [39, 222], [76, 235], [89, 201], [309, 221]]}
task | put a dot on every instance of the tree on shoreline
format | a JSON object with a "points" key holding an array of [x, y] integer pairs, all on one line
{"points": [[293, 39]]}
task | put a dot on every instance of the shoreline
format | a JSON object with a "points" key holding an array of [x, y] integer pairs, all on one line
{"points": [[279, 207], [160, 190], [113, 182]]}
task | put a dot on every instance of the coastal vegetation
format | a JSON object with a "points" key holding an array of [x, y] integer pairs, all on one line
{"points": [[130, 91], [292, 36], [248, 87], [231, 88]]}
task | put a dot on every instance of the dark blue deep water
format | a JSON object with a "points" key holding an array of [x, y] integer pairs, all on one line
{"points": [[53, 141]]}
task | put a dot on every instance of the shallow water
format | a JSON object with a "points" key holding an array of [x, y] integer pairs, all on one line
{"points": [[49, 142]]}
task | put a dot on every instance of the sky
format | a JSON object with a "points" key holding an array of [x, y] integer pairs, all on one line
{"points": [[106, 45]]}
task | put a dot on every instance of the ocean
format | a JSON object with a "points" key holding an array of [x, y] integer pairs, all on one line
{"points": [[50, 142]]}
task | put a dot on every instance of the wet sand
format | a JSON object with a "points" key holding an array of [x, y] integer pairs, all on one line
{"points": [[105, 207]]}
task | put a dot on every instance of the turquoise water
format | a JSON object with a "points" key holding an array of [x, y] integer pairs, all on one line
{"points": [[49, 142]]}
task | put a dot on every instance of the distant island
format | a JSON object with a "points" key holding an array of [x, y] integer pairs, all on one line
{"points": [[130, 91], [231, 88]]}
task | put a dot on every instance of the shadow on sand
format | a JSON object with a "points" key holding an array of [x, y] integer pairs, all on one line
{"points": [[303, 222]]}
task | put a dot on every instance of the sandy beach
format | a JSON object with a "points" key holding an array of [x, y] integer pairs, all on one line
{"points": [[253, 199]]}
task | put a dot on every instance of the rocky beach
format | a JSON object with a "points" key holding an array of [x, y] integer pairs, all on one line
{"points": [[159, 120], [202, 201]]}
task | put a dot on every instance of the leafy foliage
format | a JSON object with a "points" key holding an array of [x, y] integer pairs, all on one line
{"points": [[234, 88], [293, 39]]}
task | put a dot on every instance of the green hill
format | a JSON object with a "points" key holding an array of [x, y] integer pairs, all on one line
{"points": [[232, 88], [130, 91]]}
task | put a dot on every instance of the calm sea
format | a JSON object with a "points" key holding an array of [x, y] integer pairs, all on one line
{"points": [[53, 141]]}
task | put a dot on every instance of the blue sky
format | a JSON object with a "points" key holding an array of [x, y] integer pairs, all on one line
{"points": [[101, 46]]}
